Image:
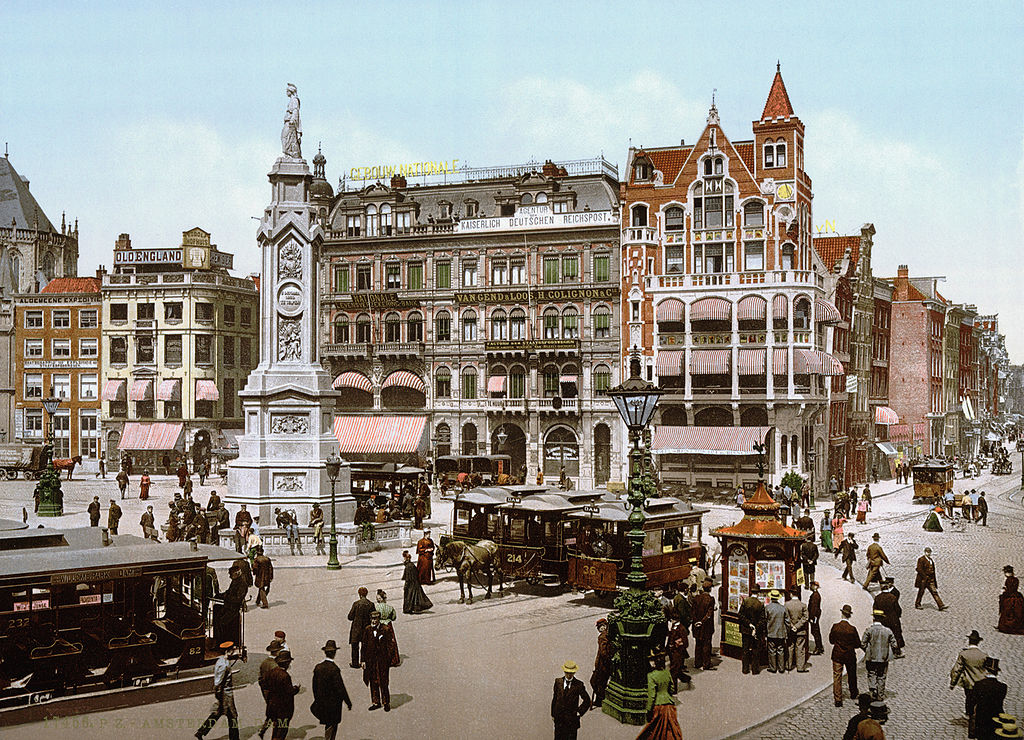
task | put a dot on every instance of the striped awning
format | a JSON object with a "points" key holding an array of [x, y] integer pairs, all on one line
{"points": [[115, 390], [780, 307], [670, 309], [885, 415], [669, 363], [352, 379], [404, 379], [206, 390], [752, 308], [142, 390], [150, 436], [711, 309], [710, 361], [708, 440], [570, 379], [815, 362], [380, 435], [169, 390], [968, 408], [496, 384], [780, 365], [751, 361], [825, 312]]}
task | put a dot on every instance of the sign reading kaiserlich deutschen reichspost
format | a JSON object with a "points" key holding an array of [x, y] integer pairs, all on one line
{"points": [[537, 220]]}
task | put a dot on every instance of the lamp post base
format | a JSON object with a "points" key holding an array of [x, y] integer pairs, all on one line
{"points": [[627, 705], [48, 509], [332, 559]]}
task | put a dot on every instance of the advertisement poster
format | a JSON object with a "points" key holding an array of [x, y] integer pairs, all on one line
{"points": [[770, 574], [739, 583]]}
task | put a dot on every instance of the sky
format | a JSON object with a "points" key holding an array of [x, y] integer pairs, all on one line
{"points": [[150, 119]]}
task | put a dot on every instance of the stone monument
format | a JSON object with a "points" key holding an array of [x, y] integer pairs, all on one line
{"points": [[288, 401]]}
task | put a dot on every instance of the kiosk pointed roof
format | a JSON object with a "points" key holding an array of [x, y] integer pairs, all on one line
{"points": [[759, 519]]}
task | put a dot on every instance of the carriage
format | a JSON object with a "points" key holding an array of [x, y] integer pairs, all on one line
{"points": [[472, 470], [932, 478], [79, 611], [18, 459], [599, 557]]}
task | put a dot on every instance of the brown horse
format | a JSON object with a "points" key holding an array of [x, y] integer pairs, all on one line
{"points": [[68, 464], [468, 560]]}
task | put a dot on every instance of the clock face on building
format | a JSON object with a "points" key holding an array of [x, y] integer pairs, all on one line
{"points": [[784, 191]]}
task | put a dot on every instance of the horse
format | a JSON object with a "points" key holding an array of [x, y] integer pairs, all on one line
{"points": [[468, 560], [67, 464]]}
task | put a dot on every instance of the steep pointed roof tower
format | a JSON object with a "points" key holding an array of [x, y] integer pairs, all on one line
{"points": [[777, 105]]}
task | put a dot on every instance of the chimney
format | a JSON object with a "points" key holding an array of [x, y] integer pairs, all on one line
{"points": [[124, 241], [399, 181], [902, 283], [100, 272]]}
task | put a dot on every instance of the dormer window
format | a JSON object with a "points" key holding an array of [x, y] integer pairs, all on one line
{"points": [[541, 198], [642, 170], [445, 209], [769, 154], [527, 199], [714, 166], [472, 208]]}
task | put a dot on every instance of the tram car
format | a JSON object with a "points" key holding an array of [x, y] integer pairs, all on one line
{"points": [[599, 556], [932, 478], [474, 512], [82, 610], [533, 535]]}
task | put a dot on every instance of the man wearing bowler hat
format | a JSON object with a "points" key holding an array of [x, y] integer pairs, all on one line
{"points": [[845, 641], [967, 671], [329, 692], [280, 696], [989, 694], [569, 702]]}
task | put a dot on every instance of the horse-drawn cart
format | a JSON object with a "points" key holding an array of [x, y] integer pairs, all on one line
{"points": [[18, 459]]}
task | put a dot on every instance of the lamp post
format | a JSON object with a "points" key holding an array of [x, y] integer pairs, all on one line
{"points": [[333, 465], [637, 611], [812, 455], [48, 492]]}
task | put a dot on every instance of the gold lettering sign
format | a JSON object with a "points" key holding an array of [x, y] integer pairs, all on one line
{"points": [[552, 295], [411, 169]]}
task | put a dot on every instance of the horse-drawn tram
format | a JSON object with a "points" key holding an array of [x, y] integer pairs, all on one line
{"points": [[598, 557], [82, 611], [533, 533]]}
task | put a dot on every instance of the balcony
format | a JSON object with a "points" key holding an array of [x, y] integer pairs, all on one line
{"points": [[400, 349], [507, 405], [639, 235], [357, 349], [145, 324], [567, 406], [727, 279]]}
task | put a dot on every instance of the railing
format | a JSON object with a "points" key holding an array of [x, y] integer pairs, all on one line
{"points": [[39, 237], [568, 404], [511, 405], [400, 348], [145, 323], [718, 279], [355, 349], [640, 234], [179, 278]]}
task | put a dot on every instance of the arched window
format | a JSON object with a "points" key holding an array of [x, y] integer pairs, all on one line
{"points": [[561, 452], [719, 165], [527, 199], [802, 314], [550, 378], [469, 326], [517, 324], [786, 263], [469, 383], [363, 332], [709, 167], [550, 323], [769, 156], [499, 325], [414, 327], [372, 220], [602, 379], [780, 153], [49, 265], [341, 335], [443, 383], [794, 458], [570, 323], [442, 326], [753, 213], [638, 215], [392, 328], [674, 218], [541, 198], [469, 439], [385, 220], [443, 439], [517, 382], [602, 320], [16, 270], [602, 454], [784, 450]]}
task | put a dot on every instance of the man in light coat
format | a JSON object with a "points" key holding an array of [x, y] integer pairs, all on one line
{"points": [[879, 645], [968, 669], [777, 633], [797, 619]]}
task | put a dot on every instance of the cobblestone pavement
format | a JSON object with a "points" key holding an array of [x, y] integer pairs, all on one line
{"points": [[969, 573]]}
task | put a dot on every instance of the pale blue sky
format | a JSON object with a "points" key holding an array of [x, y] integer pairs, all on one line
{"points": [[152, 119]]}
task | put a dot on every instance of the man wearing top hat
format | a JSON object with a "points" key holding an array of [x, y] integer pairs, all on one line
{"points": [[329, 692], [989, 694], [380, 655], [967, 671], [569, 702], [879, 644], [888, 602], [223, 695], [702, 612], [845, 641]]}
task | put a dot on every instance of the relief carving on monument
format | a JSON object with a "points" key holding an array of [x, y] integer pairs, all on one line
{"points": [[290, 482], [290, 261], [289, 424], [289, 340]]}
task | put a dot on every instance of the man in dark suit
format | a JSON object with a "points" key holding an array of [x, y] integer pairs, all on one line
{"points": [[988, 694], [814, 617], [888, 603], [329, 692], [702, 612], [380, 655], [359, 616], [845, 641], [925, 580], [569, 702]]}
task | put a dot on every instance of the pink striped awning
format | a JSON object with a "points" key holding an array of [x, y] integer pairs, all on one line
{"points": [[404, 379], [206, 390], [711, 309], [496, 384], [752, 308], [885, 415], [115, 390], [150, 436], [825, 312], [669, 363], [380, 435], [815, 362], [169, 390], [710, 361], [780, 307], [751, 361], [352, 379], [571, 379], [670, 309], [708, 440], [142, 390], [780, 364]]}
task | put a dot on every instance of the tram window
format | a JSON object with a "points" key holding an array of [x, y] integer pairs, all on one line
{"points": [[567, 533], [652, 542], [517, 529], [672, 539], [461, 517], [550, 531], [160, 597], [87, 593], [492, 523]]}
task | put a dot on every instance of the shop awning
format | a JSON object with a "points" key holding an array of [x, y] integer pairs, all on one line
{"points": [[968, 408], [670, 310], [708, 440], [669, 363], [780, 365], [752, 308], [886, 448], [711, 309], [206, 390], [352, 379], [380, 435], [780, 307], [115, 390], [816, 362], [825, 312], [404, 379], [150, 436], [751, 361], [885, 415], [169, 390], [710, 361], [142, 390], [568, 379], [496, 384]]}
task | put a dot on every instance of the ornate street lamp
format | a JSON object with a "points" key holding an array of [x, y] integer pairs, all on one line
{"points": [[812, 455], [333, 465], [637, 611], [48, 492]]}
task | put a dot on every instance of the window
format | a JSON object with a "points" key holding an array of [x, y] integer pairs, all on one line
{"points": [[634, 311], [444, 275], [33, 348], [560, 206], [61, 318], [363, 281], [392, 328], [443, 383], [385, 220], [753, 214], [172, 409], [443, 327], [780, 153], [204, 349], [145, 311], [570, 268], [341, 330], [229, 351], [415, 327], [517, 272], [172, 349], [118, 408], [118, 311], [352, 225], [363, 332], [205, 409], [393, 276], [602, 323], [88, 433], [469, 273], [62, 433], [716, 258], [517, 383], [642, 170], [119, 350], [372, 221], [33, 385], [229, 315], [204, 312], [499, 325], [570, 324], [88, 386], [787, 257], [753, 255], [60, 348], [246, 316], [33, 422], [469, 383], [802, 314], [245, 352], [341, 279], [469, 326], [602, 378], [769, 154], [674, 260], [172, 311], [88, 318], [472, 208], [674, 219], [499, 272], [551, 270], [638, 215], [602, 268], [507, 209], [444, 209], [550, 381], [403, 222], [415, 276], [517, 325], [144, 351], [228, 397], [33, 319], [61, 383], [551, 323]]}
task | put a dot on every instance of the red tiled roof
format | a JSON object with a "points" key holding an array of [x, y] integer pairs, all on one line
{"points": [[669, 161], [778, 100], [746, 152], [832, 248], [73, 285], [758, 527]]}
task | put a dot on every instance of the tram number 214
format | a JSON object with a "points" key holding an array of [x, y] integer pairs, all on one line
{"points": [[514, 558]]}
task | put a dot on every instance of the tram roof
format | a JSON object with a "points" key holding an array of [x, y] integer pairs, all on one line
{"points": [[544, 502], [657, 509], [483, 496]]}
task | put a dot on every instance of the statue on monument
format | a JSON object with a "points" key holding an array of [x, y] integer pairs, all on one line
{"points": [[291, 134]]}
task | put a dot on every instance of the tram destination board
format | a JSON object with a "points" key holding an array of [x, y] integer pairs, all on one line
{"points": [[90, 576]]}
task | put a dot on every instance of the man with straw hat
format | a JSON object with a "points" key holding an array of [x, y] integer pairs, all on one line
{"points": [[777, 633], [1006, 726], [569, 702]]}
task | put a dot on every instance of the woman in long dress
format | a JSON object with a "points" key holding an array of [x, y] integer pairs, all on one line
{"points": [[826, 533], [664, 724], [414, 599], [1011, 605], [862, 510], [837, 529]]}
